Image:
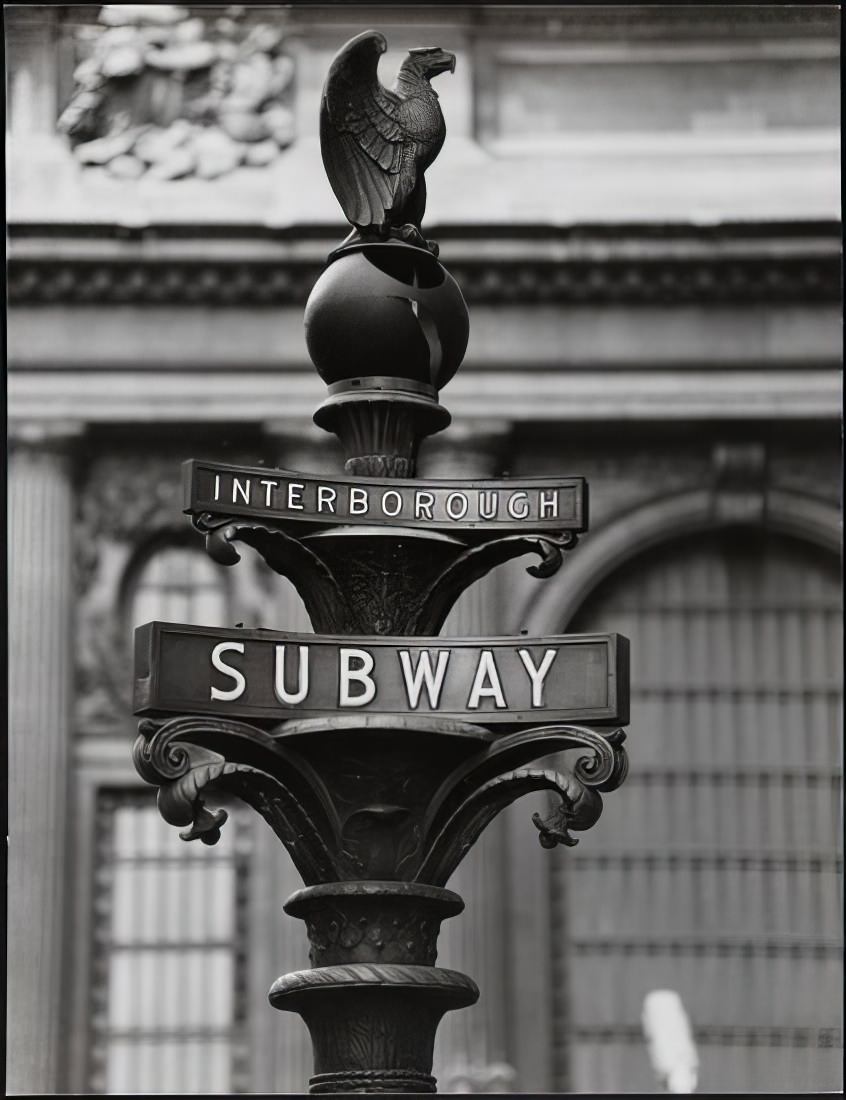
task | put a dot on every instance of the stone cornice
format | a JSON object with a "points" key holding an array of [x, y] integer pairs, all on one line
{"points": [[583, 265], [657, 20], [521, 395], [598, 20]]}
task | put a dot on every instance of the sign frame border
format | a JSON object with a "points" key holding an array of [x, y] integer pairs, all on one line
{"points": [[147, 651], [460, 528]]}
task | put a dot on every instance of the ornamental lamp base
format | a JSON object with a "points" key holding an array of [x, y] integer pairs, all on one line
{"points": [[380, 422], [373, 1025], [373, 1011]]}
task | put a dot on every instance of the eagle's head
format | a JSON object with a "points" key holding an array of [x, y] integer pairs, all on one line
{"points": [[428, 61]]}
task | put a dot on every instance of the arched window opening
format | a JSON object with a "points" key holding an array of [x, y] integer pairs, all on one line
{"points": [[170, 933], [715, 869], [178, 583]]}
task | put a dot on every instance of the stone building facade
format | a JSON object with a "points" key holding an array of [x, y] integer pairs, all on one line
{"points": [[641, 206]]}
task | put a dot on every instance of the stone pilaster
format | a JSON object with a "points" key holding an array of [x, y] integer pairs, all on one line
{"points": [[40, 514], [470, 1049], [32, 88]]}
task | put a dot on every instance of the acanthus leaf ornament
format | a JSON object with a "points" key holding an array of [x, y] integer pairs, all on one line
{"points": [[329, 821], [330, 568], [581, 809], [187, 757]]}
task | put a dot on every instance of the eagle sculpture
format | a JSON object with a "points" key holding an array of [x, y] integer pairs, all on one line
{"points": [[377, 142]]}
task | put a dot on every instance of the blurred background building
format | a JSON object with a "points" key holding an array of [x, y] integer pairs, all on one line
{"points": [[641, 205]]}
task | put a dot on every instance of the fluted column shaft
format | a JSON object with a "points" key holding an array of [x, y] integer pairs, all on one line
{"points": [[40, 683], [471, 1051]]}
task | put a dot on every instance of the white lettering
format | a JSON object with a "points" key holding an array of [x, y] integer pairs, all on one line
{"points": [[549, 500], [391, 493], [360, 675], [217, 486], [302, 676], [537, 675], [237, 487], [270, 485], [423, 504], [456, 496], [486, 670], [295, 495], [415, 677], [512, 507], [228, 670], [487, 509], [326, 496], [359, 497]]}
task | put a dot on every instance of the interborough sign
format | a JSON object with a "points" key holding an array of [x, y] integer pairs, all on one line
{"points": [[275, 675], [271, 675], [531, 504]]}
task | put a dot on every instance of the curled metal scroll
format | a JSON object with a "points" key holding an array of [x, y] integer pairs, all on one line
{"points": [[323, 824], [324, 572], [580, 808], [188, 756], [604, 770]]}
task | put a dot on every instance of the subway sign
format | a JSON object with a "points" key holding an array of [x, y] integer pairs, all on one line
{"points": [[276, 675], [527, 504]]}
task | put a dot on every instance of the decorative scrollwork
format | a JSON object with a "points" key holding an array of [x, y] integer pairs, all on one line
{"points": [[369, 591], [609, 766], [327, 817], [581, 808], [284, 554], [552, 558], [187, 756], [218, 538], [158, 759], [206, 825], [474, 793]]}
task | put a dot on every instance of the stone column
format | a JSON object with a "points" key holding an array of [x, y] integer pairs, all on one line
{"points": [[471, 1046], [39, 167], [40, 518], [32, 90]]}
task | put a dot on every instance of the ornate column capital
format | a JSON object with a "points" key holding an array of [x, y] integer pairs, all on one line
{"points": [[44, 435]]}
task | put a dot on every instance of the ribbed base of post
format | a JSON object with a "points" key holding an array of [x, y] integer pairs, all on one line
{"points": [[373, 1025], [373, 1080]]}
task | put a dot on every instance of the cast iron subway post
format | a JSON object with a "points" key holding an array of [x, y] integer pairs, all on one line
{"points": [[376, 750]]}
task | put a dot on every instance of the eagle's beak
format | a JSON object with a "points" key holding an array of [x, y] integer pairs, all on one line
{"points": [[441, 62]]}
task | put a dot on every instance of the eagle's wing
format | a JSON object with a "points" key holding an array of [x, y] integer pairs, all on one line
{"points": [[361, 134]]}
